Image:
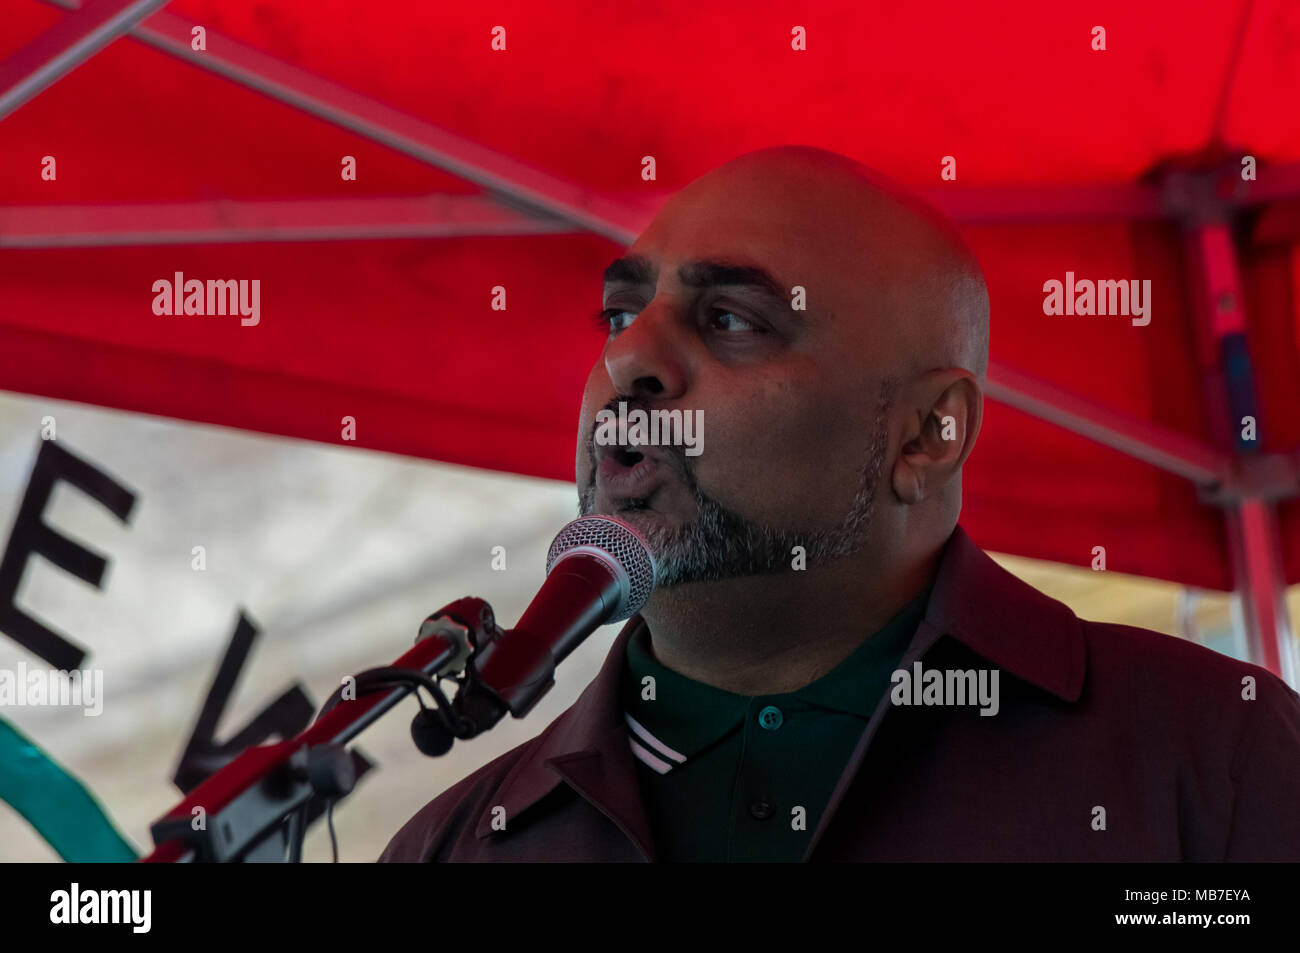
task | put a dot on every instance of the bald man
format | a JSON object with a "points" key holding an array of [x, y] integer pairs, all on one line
{"points": [[829, 669]]}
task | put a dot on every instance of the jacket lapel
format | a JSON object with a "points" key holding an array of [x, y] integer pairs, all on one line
{"points": [[1007, 621], [587, 747]]}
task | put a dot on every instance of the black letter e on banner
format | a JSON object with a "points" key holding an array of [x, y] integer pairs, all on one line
{"points": [[31, 535]]}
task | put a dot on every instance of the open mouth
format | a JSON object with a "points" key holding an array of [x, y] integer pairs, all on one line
{"points": [[630, 476]]}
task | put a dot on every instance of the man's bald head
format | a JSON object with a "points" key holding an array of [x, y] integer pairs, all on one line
{"points": [[902, 254]]}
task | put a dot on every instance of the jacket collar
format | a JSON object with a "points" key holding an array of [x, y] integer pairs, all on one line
{"points": [[973, 600], [1006, 620], [588, 747]]}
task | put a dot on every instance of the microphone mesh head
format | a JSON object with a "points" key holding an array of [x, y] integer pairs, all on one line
{"points": [[616, 542]]}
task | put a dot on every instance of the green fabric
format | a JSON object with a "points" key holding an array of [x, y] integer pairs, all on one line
{"points": [[55, 803], [700, 810]]}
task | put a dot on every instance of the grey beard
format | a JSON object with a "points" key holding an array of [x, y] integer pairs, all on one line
{"points": [[722, 544]]}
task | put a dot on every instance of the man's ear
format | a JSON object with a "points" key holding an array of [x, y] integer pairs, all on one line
{"points": [[944, 409]]}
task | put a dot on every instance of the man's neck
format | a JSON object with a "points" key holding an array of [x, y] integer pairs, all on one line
{"points": [[766, 635]]}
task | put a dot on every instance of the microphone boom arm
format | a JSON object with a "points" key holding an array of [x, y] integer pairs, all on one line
{"points": [[238, 808]]}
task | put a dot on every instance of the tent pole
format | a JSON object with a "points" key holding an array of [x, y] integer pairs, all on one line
{"points": [[1254, 544], [289, 220], [1152, 443], [524, 187], [1250, 517], [65, 46]]}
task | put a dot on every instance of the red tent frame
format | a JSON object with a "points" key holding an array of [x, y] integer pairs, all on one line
{"points": [[1205, 198]]}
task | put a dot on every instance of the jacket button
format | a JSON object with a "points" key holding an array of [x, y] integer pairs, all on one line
{"points": [[770, 718], [761, 809]]}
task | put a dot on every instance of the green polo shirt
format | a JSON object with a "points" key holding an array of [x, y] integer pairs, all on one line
{"points": [[728, 777]]}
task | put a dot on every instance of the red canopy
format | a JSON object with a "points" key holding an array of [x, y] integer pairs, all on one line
{"points": [[522, 168]]}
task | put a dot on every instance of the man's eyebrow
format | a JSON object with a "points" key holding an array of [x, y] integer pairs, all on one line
{"points": [[706, 274], [639, 270], [634, 270]]}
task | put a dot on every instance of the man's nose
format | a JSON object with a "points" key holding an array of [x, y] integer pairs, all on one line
{"points": [[645, 360]]}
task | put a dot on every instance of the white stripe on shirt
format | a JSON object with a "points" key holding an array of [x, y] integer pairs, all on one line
{"points": [[641, 732], [645, 757]]}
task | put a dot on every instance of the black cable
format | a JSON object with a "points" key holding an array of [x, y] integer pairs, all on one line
{"points": [[329, 821], [300, 833], [444, 709], [376, 680], [388, 677]]}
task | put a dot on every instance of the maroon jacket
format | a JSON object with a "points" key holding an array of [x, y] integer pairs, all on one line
{"points": [[1150, 728]]}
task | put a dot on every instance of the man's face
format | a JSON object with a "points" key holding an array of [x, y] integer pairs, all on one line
{"points": [[794, 402]]}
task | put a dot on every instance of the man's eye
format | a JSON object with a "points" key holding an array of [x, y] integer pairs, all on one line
{"points": [[612, 319], [730, 321]]}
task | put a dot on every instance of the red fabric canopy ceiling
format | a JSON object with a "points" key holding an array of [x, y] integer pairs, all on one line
{"points": [[399, 333]]}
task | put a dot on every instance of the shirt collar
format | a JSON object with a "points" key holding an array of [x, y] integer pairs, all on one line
{"points": [[685, 716], [856, 684]]}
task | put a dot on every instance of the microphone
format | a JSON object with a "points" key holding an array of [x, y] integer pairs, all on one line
{"points": [[598, 570]]}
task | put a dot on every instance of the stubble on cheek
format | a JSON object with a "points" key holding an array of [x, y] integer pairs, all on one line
{"points": [[782, 463]]}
